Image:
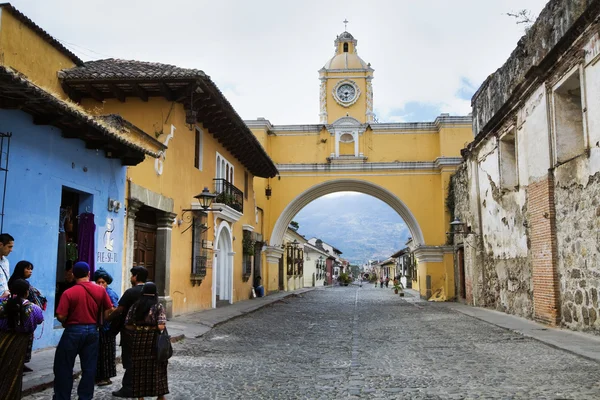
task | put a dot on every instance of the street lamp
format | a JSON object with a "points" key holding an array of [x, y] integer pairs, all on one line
{"points": [[205, 199]]}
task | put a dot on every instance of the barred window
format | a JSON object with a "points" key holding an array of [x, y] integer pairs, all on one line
{"points": [[199, 254], [248, 253]]}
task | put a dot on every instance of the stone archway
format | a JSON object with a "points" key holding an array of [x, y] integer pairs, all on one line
{"points": [[344, 185]]}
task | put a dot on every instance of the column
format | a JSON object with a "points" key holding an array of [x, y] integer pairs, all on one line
{"points": [[273, 255], [164, 220], [133, 207]]}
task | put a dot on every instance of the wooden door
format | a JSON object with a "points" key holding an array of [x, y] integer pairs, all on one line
{"points": [[144, 248]]}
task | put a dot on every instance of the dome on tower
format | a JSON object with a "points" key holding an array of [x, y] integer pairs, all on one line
{"points": [[345, 54]]}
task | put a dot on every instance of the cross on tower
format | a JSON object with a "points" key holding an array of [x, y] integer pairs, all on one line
{"points": [[345, 21]]}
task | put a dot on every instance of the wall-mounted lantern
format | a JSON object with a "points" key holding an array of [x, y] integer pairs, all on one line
{"points": [[114, 205], [457, 227]]}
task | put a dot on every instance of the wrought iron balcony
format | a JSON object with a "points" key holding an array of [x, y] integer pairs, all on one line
{"points": [[229, 195]]}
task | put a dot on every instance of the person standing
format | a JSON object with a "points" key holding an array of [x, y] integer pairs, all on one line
{"points": [[80, 310], [18, 320], [106, 367], [131, 295], [7, 243], [24, 270], [145, 319]]}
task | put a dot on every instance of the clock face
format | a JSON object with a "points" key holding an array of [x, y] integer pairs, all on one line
{"points": [[346, 92]]}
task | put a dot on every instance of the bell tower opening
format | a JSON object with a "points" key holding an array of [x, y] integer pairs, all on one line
{"points": [[345, 47]]}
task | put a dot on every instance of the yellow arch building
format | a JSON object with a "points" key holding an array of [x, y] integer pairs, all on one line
{"points": [[406, 165]]}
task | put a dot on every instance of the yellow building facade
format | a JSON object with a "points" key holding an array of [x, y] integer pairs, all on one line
{"points": [[197, 257], [406, 165]]}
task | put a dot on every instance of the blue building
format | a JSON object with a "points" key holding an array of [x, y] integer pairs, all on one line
{"points": [[61, 170]]}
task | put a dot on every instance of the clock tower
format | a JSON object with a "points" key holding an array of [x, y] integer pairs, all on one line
{"points": [[346, 89]]}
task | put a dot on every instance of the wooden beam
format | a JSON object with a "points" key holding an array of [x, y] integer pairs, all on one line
{"points": [[71, 92], [47, 119], [166, 91], [119, 94], [185, 92], [95, 93], [140, 91]]}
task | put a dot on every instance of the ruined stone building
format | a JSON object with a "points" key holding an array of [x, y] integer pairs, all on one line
{"points": [[528, 190]]}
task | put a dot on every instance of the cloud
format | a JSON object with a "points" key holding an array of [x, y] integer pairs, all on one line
{"points": [[265, 54]]}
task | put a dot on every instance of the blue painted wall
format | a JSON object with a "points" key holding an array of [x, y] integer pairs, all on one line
{"points": [[41, 163]]}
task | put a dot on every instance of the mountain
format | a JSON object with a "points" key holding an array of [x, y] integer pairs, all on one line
{"points": [[361, 226]]}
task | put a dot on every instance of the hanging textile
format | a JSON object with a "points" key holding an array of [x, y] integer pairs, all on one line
{"points": [[87, 231]]}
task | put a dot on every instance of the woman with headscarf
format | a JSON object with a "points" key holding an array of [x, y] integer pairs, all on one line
{"points": [[106, 367], [18, 320], [24, 270], [146, 319]]}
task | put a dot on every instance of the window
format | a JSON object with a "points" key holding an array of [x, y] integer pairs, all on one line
{"points": [[199, 254], [198, 148], [569, 132], [246, 184], [345, 47], [248, 250], [509, 178]]}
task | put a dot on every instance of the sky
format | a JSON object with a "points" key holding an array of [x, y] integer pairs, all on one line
{"points": [[429, 56]]}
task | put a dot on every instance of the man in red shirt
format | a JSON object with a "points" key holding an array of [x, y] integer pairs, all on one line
{"points": [[81, 310]]}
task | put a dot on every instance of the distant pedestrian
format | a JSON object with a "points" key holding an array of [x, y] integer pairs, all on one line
{"points": [[387, 281], [145, 319], [381, 282], [18, 320], [258, 287], [80, 311], [106, 367], [131, 295], [7, 243]]}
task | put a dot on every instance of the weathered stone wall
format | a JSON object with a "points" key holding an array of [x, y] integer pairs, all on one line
{"points": [[552, 24], [578, 224], [497, 261]]}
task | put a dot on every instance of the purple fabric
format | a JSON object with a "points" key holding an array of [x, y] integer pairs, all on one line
{"points": [[35, 316], [87, 231]]}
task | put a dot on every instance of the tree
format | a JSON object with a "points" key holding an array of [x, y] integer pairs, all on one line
{"points": [[294, 225], [522, 17]]}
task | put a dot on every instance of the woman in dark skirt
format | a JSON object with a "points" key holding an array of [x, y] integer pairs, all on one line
{"points": [[146, 319], [106, 366], [24, 270], [18, 320]]}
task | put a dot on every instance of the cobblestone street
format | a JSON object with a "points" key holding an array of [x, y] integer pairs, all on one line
{"points": [[350, 342]]}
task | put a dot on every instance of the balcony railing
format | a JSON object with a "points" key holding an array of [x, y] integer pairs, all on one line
{"points": [[229, 195]]}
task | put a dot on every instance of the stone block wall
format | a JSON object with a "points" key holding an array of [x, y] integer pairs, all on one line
{"points": [[496, 277], [578, 245]]}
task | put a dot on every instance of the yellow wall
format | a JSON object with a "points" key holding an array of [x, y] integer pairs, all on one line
{"points": [[24, 50], [181, 181]]}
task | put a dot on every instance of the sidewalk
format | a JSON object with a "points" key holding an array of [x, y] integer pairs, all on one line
{"points": [[188, 325], [582, 344]]}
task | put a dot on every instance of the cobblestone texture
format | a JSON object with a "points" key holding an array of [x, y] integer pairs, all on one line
{"points": [[349, 343]]}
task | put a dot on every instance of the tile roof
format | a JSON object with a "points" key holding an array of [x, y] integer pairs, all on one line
{"points": [[117, 69], [32, 99], [45, 35]]}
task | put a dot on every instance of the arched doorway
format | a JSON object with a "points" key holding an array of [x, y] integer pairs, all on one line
{"points": [[223, 266]]}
